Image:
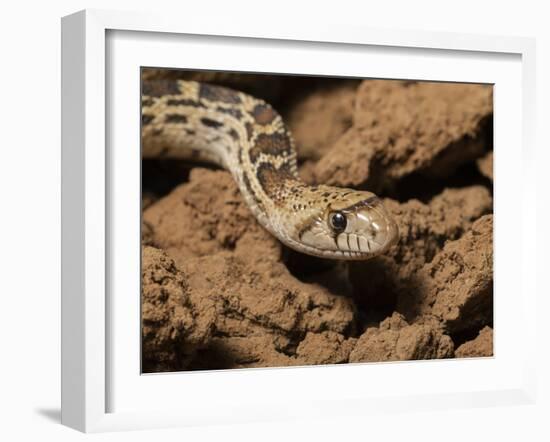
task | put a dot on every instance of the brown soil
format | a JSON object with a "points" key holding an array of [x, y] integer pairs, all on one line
{"points": [[220, 292], [480, 346]]}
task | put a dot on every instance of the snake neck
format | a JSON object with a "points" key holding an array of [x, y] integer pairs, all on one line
{"points": [[243, 134]]}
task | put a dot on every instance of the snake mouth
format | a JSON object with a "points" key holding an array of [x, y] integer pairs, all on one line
{"points": [[373, 231], [347, 255], [363, 248], [357, 232]]}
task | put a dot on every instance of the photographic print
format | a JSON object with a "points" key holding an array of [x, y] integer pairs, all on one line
{"points": [[302, 220]]}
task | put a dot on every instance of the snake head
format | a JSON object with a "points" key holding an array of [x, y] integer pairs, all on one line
{"points": [[352, 225]]}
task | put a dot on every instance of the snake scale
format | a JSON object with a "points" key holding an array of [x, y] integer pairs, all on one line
{"points": [[246, 136]]}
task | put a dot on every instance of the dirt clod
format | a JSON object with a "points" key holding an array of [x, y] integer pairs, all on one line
{"points": [[461, 285], [481, 346], [172, 328], [405, 127], [395, 340]]}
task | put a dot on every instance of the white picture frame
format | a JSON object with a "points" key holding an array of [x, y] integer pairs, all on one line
{"points": [[94, 176]]}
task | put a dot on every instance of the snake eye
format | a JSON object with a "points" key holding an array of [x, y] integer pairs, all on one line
{"points": [[338, 222]]}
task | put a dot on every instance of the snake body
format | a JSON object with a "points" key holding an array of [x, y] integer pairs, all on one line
{"points": [[246, 136]]}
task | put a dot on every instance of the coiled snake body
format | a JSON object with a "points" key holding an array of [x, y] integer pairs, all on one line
{"points": [[246, 136]]}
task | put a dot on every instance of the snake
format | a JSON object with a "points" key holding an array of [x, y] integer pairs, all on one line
{"points": [[246, 136]]}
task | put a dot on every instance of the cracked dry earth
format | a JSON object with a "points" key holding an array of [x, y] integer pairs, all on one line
{"points": [[220, 292]]}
